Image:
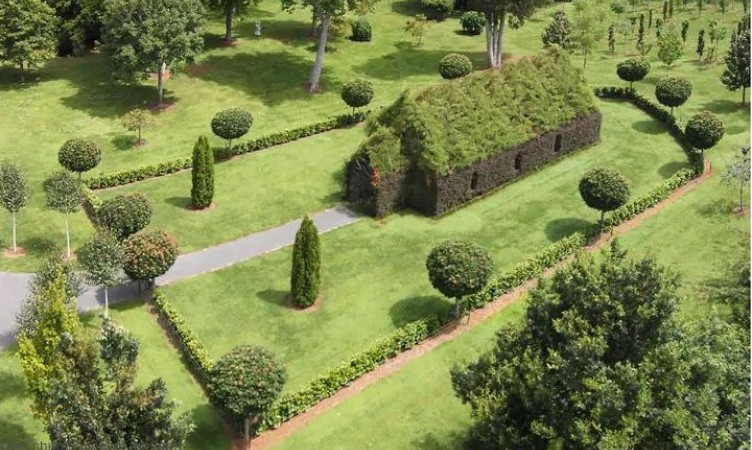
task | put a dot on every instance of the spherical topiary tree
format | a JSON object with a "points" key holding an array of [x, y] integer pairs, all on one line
{"points": [[361, 30], [455, 65], [305, 277], [231, 124], [149, 255], [125, 215], [604, 190], [673, 92], [704, 130], [245, 382], [357, 93], [472, 23], [202, 174], [459, 268], [79, 155], [633, 69]]}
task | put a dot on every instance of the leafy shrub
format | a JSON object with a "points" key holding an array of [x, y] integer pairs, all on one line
{"points": [[79, 155], [136, 120], [357, 93], [305, 277], [149, 255], [459, 268], [125, 215], [361, 30], [202, 174], [633, 69], [604, 190], [91, 204], [472, 23], [673, 91], [455, 65], [231, 124], [557, 32], [437, 9], [704, 130]]}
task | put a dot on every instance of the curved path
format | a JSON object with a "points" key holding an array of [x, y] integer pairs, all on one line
{"points": [[14, 286]]}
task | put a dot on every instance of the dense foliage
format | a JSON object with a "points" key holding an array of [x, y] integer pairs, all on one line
{"points": [[231, 124], [458, 268], [604, 190], [27, 33], [78, 25], [455, 65], [149, 255], [361, 30], [357, 93], [472, 23], [79, 155], [736, 73], [305, 277], [246, 381], [601, 342], [437, 9], [102, 260], [704, 130], [14, 191], [202, 174], [557, 32], [125, 215], [670, 46], [633, 69], [673, 91], [491, 111]]}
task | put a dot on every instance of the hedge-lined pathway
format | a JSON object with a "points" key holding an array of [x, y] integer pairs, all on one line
{"points": [[452, 330], [14, 286]]}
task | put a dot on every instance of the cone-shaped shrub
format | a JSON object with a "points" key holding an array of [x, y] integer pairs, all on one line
{"points": [[306, 264], [202, 174]]}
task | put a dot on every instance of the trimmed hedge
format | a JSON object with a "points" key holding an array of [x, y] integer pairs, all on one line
{"points": [[91, 204], [103, 181]]}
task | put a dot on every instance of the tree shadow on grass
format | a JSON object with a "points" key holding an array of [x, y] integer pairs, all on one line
{"points": [[10, 79], [719, 209], [123, 142], [273, 78], [42, 246], [722, 106], [275, 297], [179, 202], [406, 7], [429, 441], [209, 432], [560, 228], [649, 126], [289, 32], [409, 60], [413, 308], [14, 436], [670, 168]]}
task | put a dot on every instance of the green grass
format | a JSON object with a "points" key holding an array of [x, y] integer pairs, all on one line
{"points": [[373, 271]]}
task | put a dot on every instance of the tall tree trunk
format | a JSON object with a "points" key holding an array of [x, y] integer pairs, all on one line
{"points": [[247, 428], [23, 72], [314, 19], [318, 65], [584, 62], [67, 236], [228, 24], [139, 135], [15, 249], [106, 302], [160, 83], [744, 91], [495, 26]]}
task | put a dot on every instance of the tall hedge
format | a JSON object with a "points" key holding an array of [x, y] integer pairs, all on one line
{"points": [[305, 278], [202, 174]]}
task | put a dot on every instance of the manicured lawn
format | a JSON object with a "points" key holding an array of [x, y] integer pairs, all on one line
{"points": [[373, 271], [253, 192]]}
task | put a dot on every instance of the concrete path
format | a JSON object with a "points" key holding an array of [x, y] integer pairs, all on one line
{"points": [[14, 286]]}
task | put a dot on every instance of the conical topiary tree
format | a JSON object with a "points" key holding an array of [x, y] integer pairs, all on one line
{"points": [[202, 174], [305, 278]]}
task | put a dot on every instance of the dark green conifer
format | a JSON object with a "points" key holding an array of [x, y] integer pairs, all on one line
{"points": [[202, 174], [305, 278]]}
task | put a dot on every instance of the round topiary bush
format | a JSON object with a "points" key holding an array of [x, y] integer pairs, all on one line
{"points": [[125, 215], [455, 65], [149, 255], [704, 130], [231, 124], [472, 23], [633, 69], [361, 30], [79, 155], [673, 92], [437, 9], [357, 93], [459, 268], [604, 190]]}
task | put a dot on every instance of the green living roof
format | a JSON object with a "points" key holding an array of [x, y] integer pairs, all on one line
{"points": [[458, 123]]}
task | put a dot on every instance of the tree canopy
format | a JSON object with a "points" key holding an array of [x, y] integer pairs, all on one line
{"points": [[27, 33]]}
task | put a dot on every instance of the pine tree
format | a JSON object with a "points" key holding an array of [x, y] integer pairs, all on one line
{"points": [[671, 8], [650, 19], [641, 35], [684, 30], [202, 174], [701, 43], [611, 40], [557, 32], [665, 11], [305, 278], [737, 75]]}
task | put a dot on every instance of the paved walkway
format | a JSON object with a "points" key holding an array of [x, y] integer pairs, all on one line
{"points": [[14, 286]]}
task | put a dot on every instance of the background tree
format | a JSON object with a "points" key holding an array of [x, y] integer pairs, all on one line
{"points": [[455, 65], [670, 47], [590, 21], [633, 69], [245, 382], [641, 36], [137, 120], [673, 92], [14, 192], [618, 7], [701, 43], [472, 22], [459, 268], [736, 73], [738, 173], [305, 278], [497, 14], [665, 11], [650, 18], [700, 6], [417, 28], [79, 155], [78, 25], [604, 190], [231, 8], [704, 130], [611, 40], [202, 174], [557, 32], [27, 33], [684, 30], [357, 93], [125, 214], [102, 260], [146, 36], [608, 333], [149, 255], [231, 124], [717, 33], [671, 8], [64, 195]]}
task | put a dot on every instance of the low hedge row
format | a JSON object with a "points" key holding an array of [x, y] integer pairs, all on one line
{"points": [[176, 165], [191, 346]]}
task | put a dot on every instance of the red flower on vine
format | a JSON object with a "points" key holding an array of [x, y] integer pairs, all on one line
{"points": [[375, 177]]}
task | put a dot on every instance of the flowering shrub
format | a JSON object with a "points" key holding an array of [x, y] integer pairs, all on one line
{"points": [[149, 255]]}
